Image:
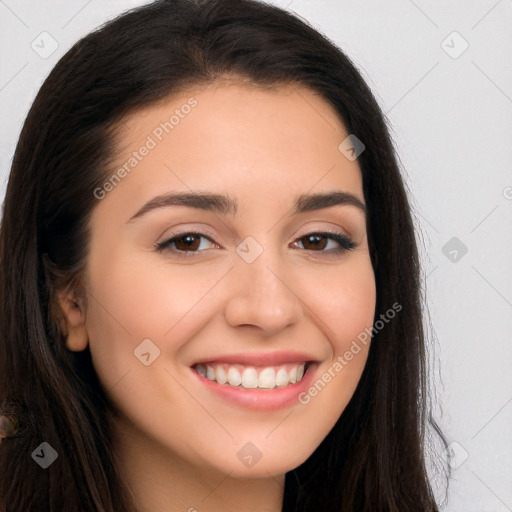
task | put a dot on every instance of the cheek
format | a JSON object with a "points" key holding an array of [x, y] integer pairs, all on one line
{"points": [[132, 301], [344, 300], [344, 304]]}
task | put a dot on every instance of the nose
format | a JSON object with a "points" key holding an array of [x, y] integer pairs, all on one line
{"points": [[262, 295]]}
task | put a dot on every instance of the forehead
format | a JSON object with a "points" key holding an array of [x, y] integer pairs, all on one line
{"points": [[235, 136]]}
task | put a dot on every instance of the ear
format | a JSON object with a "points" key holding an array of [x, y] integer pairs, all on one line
{"points": [[72, 321]]}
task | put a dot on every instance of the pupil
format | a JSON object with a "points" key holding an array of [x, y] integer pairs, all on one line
{"points": [[314, 239], [190, 242]]}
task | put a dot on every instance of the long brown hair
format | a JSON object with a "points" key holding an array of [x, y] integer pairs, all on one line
{"points": [[373, 459]]}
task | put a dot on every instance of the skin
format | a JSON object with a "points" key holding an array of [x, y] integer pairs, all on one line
{"points": [[176, 441]]}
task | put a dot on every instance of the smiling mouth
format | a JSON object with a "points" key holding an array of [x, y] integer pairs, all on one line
{"points": [[253, 377]]}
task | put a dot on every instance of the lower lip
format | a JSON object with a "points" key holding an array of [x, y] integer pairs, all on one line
{"points": [[261, 399]]}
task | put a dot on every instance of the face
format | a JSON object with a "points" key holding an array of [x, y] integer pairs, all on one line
{"points": [[262, 273]]}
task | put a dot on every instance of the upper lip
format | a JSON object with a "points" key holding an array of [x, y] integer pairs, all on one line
{"points": [[274, 358]]}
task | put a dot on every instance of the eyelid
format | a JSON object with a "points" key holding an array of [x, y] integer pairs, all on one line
{"points": [[181, 232]]}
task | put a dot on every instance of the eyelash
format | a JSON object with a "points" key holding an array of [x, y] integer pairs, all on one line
{"points": [[345, 243]]}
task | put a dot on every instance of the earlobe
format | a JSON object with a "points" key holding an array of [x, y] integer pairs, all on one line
{"points": [[72, 323], [77, 339]]}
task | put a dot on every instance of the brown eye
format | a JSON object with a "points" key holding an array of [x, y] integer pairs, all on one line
{"points": [[318, 242], [312, 242], [185, 243]]}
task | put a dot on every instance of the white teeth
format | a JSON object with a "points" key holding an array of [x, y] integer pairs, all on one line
{"points": [[234, 377], [248, 377], [267, 379], [220, 375], [282, 377]]}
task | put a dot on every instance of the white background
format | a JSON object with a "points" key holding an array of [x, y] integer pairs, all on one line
{"points": [[451, 120]]}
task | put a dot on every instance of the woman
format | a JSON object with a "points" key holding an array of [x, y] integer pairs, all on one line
{"points": [[209, 278]]}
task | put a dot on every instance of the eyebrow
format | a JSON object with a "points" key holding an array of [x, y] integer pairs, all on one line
{"points": [[226, 205]]}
